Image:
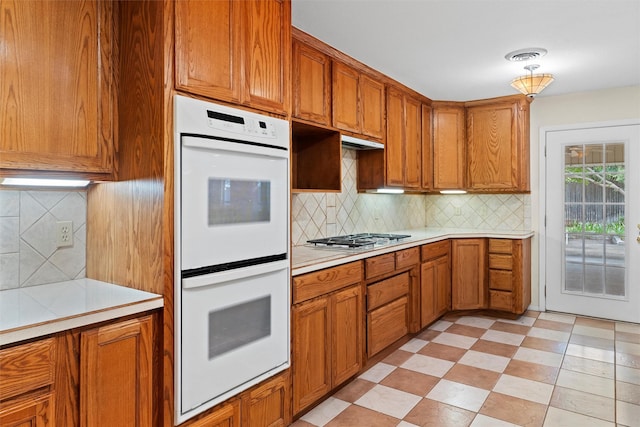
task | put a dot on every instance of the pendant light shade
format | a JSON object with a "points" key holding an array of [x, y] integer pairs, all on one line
{"points": [[532, 84]]}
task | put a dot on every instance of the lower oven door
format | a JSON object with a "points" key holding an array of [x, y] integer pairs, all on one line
{"points": [[234, 333]]}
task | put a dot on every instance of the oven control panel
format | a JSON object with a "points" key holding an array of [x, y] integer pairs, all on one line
{"points": [[241, 124]]}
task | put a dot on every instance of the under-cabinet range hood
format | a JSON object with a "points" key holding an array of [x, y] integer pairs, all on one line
{"points": [[360, 144]]}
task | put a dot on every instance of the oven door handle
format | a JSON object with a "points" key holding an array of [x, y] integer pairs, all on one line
{"points": [[231, 275], [238, 147]]}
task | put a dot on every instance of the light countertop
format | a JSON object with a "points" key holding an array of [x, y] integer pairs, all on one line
{"points": [[36, 311], [306, 259]]}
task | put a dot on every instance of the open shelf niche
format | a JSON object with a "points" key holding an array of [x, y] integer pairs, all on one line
{"points": [[316, 159]]}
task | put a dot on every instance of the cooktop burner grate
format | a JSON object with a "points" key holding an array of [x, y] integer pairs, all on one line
{"points": [[359, 241]]}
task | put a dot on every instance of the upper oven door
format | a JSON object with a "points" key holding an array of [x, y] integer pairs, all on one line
{"points": [[234, 206]]}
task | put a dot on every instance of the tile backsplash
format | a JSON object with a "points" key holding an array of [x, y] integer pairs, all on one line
{"points": [[28, 250], [316, 215]]}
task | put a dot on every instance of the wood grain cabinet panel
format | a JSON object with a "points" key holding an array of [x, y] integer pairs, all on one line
{"points": [[498, 144], [244, 58], [372, 107], [326, 344], [311, 84], [269, 404], [30, 412], [226, 415], [57, 95], [345, 97], [435, 282], [510, 274], [116, 374], [448, 150], [386, 324], [27, 367], [427, 155], [404, 141], [469, 271]]}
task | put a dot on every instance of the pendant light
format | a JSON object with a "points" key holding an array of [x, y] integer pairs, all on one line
{"points": [[532, 84]]}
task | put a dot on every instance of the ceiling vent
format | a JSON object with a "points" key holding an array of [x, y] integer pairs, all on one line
{"points": [[526, 54]]}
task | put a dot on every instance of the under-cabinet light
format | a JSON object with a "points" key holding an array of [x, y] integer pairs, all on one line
{"points": [[37, 182], [453, 192], [389, 191]]}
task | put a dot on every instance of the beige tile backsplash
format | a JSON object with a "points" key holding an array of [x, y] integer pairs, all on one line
{"points": [[316, 215], [28, 251]]}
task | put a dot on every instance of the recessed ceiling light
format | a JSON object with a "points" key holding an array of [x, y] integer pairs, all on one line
{"points": [[526, 54]]}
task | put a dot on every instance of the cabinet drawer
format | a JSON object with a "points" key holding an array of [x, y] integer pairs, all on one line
{"points": [[407, 258], [501, 300], [375, 266], [325, 281], [500, 246], [27, 367], [501, 279], [386, 325], [387, 290], [435, 250], [502, 262]]}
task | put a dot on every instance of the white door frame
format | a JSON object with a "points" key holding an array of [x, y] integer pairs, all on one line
{"points": [[542, 196]]}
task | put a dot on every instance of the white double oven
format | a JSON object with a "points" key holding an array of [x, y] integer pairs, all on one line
{"points": [[231, 252]]}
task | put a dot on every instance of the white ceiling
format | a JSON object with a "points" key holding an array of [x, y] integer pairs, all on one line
{"points": [[454, 49]]}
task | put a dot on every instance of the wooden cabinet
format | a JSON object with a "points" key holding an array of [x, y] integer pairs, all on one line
{"points": [[244, 58], [448, 151], [510, 274], [427, 162], [404, 141], [435, 282], [57, 95], [357, 102], [311, 84], [27, 384], [268, 404], [316, 158], [225, 415], [498, 144], [392, 289], [326, 331], [116, 374], [468, 274]]}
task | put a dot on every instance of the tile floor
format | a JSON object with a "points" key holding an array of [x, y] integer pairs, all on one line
{"points": [[543, 369]]}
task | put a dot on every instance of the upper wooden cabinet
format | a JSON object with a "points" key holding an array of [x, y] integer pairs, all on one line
{"points": [[311, 84], [57, 87], [404, 140], [244, 58], [427, 163], [449, 162], [498, 144], [357, 102]]}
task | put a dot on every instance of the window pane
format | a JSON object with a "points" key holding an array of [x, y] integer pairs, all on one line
{"points": [[574, 277]]}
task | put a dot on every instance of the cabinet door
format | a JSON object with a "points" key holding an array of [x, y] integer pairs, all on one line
{"points": [[448, 147], [386, 324], [345, 105], [468, 287], [428, 295], [31, 412], [268, 405], [372, 106], [427, 164], [311, 84], [413, 144], [311, 352], [116, 374], [227, 415], [346, 333], [394, 147], [443, 287], [57, 89], [267, 41], [208, 57]]}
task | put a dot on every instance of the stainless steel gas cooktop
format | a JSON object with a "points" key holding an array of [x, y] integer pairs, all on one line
{"points": [[359, 241]]}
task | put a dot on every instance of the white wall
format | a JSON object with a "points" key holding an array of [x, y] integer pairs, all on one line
{"points": [[586, 107]]}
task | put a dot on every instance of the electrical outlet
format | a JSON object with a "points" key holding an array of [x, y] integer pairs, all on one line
{"points": [[64, 233]]}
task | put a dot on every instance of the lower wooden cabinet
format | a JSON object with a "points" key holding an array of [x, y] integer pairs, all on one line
{"points": [[510, 274], [387, 312], [31, 412], [435, 282], [468, 271], [268, 404], [327, 344], [27, 384], [226, 415], [116, 374]]}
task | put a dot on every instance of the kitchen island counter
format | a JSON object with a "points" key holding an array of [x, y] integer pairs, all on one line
{"points": [[36, 311], [309, 258]]}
